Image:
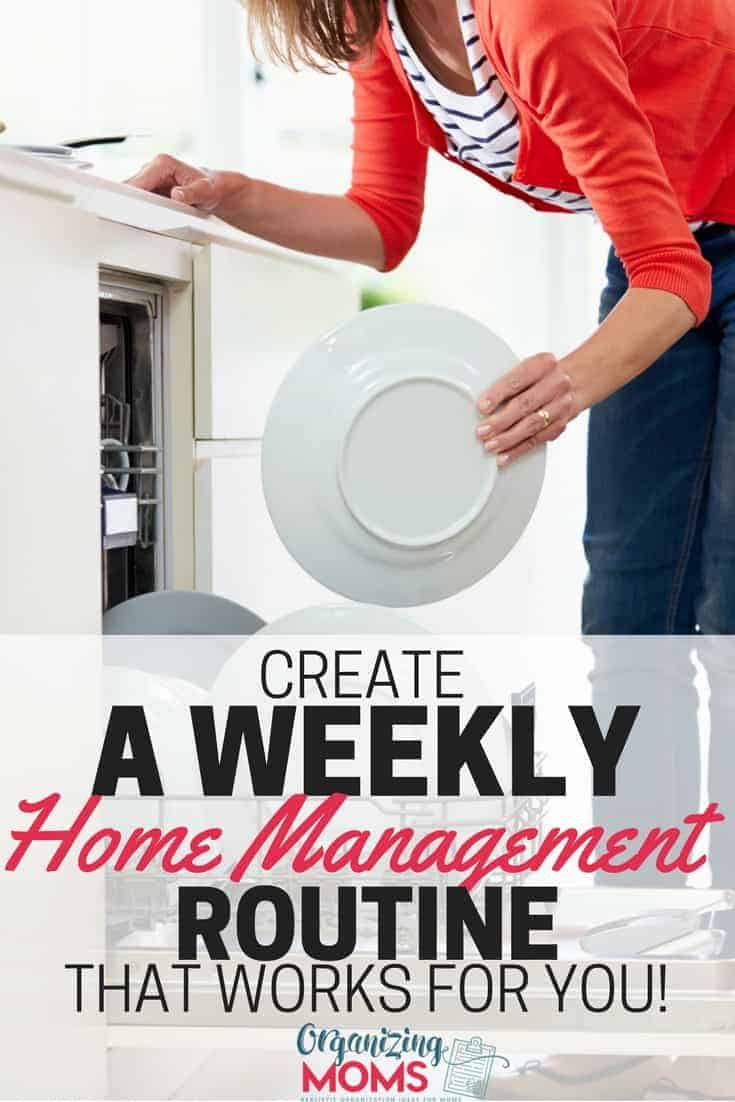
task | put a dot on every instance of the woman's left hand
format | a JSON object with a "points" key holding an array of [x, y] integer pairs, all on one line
{"points": [[532, 404]]}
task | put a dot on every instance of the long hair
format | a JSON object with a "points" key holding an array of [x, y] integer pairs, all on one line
{"points": [[321, 34]]}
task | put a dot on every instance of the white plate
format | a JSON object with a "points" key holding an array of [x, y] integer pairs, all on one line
{"points": [[342, 620], [120, 459], [372, 473], [167, 701]]}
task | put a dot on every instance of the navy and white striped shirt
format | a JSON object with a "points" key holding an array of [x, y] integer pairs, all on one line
{"points": [[482, 129]]}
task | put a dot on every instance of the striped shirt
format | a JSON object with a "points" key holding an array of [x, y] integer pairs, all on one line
{"points": [[483, 129]]}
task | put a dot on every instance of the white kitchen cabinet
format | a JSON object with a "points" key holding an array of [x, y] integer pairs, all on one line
{"points": [[50, 692], [255, 312], [239, 554], [254, 315], [50, 571], [49, 415]]}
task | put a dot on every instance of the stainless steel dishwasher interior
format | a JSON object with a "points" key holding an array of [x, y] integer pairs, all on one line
{"points": [[132, 445]]}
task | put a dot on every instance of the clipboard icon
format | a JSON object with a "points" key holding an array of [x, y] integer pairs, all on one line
{"points": [[470, 1066]]}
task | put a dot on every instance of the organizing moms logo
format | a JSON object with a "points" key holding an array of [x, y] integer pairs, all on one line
{"points": [[392, 1061], [387, 1060]]}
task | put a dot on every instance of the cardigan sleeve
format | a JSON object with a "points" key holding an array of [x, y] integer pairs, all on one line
{"points": [[565, 59], [389, 162]]}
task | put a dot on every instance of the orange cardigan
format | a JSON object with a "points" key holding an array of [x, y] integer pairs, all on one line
{"points": [[631, 102]]}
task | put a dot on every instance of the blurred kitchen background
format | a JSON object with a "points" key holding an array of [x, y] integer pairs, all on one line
{"points": [[179, 76]]}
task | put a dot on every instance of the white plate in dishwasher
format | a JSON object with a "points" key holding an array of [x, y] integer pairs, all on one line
{"points": [[372, 470]]}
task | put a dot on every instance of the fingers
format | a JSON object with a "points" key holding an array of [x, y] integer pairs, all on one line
{"points": [[553, 432], [201, 193], [531, 405], [553, 385], [163, 174], [520, 378], [531, 428]]}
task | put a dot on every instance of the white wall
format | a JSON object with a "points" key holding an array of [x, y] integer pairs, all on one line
{"points": [[167, 71]]}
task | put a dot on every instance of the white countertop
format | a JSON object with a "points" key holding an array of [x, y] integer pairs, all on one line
{"points": [[118, 202]]}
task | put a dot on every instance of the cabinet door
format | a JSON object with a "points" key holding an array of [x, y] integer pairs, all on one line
{"points": [[255, 312], [49, 585], [239, 554], [49, 417]]}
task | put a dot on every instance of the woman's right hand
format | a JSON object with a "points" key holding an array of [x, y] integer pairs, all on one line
{"points": [[321, 225], [220, 193]]}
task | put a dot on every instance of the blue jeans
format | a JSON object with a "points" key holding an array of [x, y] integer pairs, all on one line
{"points": [[660, 533], [660, 545]]}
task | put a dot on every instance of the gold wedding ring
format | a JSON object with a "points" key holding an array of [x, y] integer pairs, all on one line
{"points": [[545, 417]]}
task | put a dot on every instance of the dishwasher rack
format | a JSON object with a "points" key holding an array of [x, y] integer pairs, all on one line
{"points": [[132, 445]]}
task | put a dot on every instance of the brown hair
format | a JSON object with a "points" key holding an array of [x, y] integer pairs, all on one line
{"points": [[321, 34]]}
